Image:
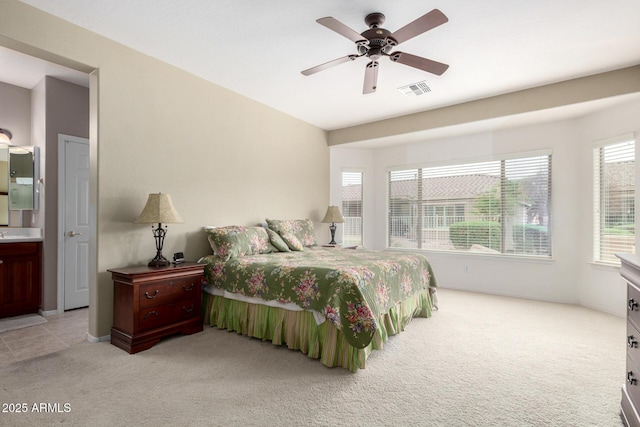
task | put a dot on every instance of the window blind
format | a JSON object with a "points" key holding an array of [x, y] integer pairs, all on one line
{"points": [[500, 206], [614, 200], [352, 192]]}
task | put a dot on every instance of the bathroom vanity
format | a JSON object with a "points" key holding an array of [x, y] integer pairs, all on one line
{"points": [[20, 248], [20, 275]]}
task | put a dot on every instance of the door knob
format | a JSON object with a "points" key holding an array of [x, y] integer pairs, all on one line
{"points": [[73, 234]]}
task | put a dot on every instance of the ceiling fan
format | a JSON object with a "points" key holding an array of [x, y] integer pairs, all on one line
{"points": [[377, 42]]}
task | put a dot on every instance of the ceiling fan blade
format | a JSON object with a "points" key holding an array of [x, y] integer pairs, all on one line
{"points": [[419, 62], [370, 77], [337, 26], [329, 64], [423, 24]]}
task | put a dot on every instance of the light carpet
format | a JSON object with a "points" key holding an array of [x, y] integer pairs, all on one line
{"points": [[481, 360], [19, 322]]}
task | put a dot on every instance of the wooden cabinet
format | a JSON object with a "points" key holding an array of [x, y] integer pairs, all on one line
{"points": [[151, 303], [630, 271], [20, 278]]}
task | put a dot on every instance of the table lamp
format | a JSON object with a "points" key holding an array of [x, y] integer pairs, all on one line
{"points": [[333, 216], [159, 210]]}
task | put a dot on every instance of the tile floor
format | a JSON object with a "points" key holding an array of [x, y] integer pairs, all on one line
{"points": [[61, 331]]}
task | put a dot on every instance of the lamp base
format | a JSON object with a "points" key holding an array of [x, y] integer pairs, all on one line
{"points": [[159, 261], [158, 235], [332, 228]]}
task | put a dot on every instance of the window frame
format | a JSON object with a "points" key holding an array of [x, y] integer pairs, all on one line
{"points": [[465, 162], [361, 171], [598, 212]]}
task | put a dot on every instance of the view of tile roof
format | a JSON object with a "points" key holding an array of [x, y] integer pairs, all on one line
{"points": [[621, 176], [446, 187]]}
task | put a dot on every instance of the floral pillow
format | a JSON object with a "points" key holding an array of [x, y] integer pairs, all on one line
{"points": [[302, 229], [236, 241], [292, 242], [277, 241]]}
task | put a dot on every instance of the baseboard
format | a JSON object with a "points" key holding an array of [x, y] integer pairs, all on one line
{"points": [[47, 313], [103, 338], [601, 310]]}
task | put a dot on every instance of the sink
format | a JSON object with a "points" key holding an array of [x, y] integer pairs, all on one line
{"points": [[8, 235]]}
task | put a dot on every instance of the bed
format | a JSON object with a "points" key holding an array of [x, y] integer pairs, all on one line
{"points": [[332, 304]]}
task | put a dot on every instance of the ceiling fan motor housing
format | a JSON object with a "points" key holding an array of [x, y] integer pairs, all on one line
{"points": [[380, 41]]}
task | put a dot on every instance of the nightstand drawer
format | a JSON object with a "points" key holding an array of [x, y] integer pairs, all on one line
{"points": [[633, 381], [186, 309], [166, 291], [153, 317], [633, 343], [161, 315], [633, 305]]}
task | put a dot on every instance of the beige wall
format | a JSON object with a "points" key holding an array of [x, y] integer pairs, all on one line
{"points": [[15, 112], [223, 158]]}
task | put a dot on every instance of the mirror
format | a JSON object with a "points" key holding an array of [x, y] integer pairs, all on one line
{"points": [[23, 178], [19, 176]]}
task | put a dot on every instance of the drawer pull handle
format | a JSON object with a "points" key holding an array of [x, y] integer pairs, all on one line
{"points": [[630, 379], [189, 289], [188, 310], [631, 342], [155, 294], [146, 316], [633, 304]]}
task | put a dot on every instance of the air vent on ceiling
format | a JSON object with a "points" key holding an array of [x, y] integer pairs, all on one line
{"points": [[415, 89]]}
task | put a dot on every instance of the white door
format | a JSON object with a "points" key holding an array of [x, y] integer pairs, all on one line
{"points": [[76, 221]]}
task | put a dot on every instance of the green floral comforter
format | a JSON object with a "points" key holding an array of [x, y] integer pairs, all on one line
{"points": [[351, 288]]}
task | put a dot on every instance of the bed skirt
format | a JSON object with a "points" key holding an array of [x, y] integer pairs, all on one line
{"points": [[298, 330]]}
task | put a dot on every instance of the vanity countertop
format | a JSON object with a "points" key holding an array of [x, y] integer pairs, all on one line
{"points": [[17, 235]]}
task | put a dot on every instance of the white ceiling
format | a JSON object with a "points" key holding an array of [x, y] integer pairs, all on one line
{"points": [[258, 48]]}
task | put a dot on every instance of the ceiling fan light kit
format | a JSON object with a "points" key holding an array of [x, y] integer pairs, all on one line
{"points": [[377, 42]]}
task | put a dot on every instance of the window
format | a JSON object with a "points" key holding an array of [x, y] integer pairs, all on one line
{"points": [[500, 207], [614, 198], [352, 208]]}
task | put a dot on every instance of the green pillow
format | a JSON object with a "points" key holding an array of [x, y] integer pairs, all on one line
{"points": [[277, 241], [302, 229], [292, 241], [236, 241]]}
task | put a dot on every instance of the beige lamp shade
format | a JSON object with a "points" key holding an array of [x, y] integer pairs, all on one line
{"points": [[333, 215], [159, 209]]}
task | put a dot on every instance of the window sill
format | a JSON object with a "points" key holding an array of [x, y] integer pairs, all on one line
{"points": [[504, 257], [605, 266]]}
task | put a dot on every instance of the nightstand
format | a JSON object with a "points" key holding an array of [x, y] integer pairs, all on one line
{"points": [[341, 246], [150, 303]]}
